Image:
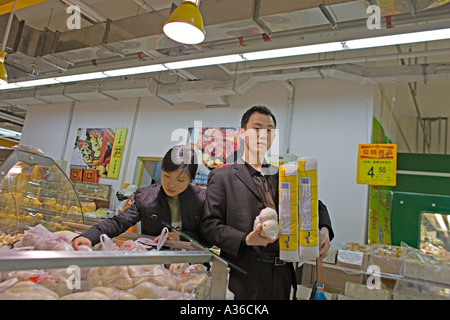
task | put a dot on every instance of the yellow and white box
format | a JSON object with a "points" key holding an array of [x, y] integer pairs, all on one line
{"points": [[288, 212], [308, 208]]}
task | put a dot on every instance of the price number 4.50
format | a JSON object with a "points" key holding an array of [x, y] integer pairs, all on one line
{"points": [[380, 171]]}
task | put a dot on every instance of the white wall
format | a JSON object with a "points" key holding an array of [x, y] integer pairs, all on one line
{"points": [[331, 117], [432, 99]]}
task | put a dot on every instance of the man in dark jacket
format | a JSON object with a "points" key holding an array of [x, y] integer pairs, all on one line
{"points": [[235, 196]]}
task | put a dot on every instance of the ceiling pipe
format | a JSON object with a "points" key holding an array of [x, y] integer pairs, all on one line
{"points": [[12, 118], [291, 103], [8, 26], [317, 63], [65, 48]]}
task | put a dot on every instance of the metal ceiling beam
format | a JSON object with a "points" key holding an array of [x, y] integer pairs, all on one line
{"points": [[12, 118]]}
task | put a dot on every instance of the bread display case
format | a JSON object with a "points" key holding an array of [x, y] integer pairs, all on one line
{"points": [[34, 190], [100, 194]]}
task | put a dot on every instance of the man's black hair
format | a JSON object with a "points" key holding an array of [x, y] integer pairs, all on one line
{"points": [[260, 109], [180, 157]]}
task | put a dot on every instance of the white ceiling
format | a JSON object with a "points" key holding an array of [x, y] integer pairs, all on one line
{"points": [[232, 26]]}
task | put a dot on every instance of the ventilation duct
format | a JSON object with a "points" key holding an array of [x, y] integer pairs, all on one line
{"points": [[45, 51]]}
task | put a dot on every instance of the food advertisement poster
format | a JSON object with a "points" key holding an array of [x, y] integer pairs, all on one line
{"points": [[215, 147], [101, 149]]}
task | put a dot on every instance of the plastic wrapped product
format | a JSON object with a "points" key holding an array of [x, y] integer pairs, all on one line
{"points": [[114, 294], [27, 290], [308, 208], [149, 290], [268, 218], [90, 295], [288, 210], [155, 273]]}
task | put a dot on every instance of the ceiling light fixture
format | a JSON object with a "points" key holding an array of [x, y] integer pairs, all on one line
{"points": [[421, 36], [205, 61], [135, 70], [10, 133], [441, 34], [185, 24], [81, 77]]}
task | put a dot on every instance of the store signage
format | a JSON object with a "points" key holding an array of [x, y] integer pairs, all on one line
{"points": [[377, 164], [117, 152]]}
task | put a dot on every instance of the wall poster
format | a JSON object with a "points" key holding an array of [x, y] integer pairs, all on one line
{"points": [[101, 149], [215, 147]]}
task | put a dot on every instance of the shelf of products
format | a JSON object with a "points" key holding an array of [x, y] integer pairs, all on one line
{"points": [[397, 272], [93, 191]]}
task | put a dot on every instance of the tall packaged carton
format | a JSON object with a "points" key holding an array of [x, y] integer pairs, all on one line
{"points": [[288, 212], [299, 210], [308, 213]]}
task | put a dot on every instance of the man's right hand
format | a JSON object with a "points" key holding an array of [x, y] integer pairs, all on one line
{"points": [[254, 239], [81, 240]]}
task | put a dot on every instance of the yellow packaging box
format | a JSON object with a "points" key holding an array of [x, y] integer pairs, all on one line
{"points": [[288, 212], [308, 208]]}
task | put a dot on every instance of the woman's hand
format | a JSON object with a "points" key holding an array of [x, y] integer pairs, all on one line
{"points": [[171, 236], [81, 240], [254, 239]]}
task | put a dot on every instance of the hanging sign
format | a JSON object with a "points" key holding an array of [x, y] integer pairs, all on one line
{"points": [[377, 164]]}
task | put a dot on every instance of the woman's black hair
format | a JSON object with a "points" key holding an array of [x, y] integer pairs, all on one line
{"points": [[180, 157], [260, 109]]}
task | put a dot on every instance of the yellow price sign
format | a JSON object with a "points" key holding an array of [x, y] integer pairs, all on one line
{"points": [[377, 164]]}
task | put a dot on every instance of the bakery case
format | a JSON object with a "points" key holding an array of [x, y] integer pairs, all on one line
{"points": [[41, 212], [34, 190]]}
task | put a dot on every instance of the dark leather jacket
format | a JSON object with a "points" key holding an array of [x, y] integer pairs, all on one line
{"points": [[151, 208]]}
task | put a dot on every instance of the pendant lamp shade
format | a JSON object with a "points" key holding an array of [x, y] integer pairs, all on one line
{"points": [[3, 75], [185, 24]]}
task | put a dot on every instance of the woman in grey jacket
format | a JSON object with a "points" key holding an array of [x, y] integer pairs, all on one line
{"points": [[175, 201]]}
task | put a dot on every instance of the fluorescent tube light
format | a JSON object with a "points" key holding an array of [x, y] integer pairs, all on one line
{"points": [[204, 62], [295, 51], [81, 77], [36, 83], [413, 37], [9, 133], [9, 86], [135, 70]]}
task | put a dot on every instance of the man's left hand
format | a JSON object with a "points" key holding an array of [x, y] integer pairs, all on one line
{"points": [[324, 242]]}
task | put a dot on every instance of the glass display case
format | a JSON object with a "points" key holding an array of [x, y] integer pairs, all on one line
{"points": [[112, 275], [93, 191], [434, 235], [40, 213], [34, 190]]}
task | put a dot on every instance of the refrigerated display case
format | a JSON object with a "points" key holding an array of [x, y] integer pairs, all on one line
{"points": [[35, 190], [117, 275]]}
